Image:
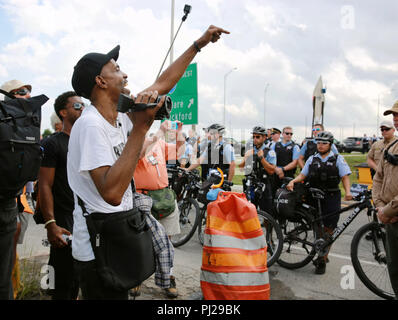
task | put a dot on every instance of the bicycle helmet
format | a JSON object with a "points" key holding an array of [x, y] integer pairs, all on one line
{"points": [[259, 130], [219, 127], [325, 136]]}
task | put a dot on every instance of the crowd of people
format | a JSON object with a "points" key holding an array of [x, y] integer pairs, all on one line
{"points": [[100, 161]]}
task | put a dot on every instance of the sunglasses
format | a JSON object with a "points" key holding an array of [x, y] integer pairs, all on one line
{"points": [[257, 137], [385, 129], [288, 133], [78, 105], [21, 92], [316, 129]]}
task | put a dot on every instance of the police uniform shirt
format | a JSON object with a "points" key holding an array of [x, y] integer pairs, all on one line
{"points": [[228, 153], [341, 164], [296, 149], [271, 156], [271, 144], [304, 148], [188, 152]]}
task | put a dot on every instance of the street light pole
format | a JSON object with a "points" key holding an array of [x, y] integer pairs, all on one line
{"points": [[172, 32], [225, 80], [265, 95]]}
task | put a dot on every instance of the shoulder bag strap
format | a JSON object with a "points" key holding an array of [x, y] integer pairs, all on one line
{"points": [[7, 94]]}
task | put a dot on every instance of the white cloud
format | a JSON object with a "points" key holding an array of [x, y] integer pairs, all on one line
{"points": [[271, 19], [360, 58]]}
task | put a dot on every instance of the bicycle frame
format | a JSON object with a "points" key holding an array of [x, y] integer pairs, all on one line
{"points": [[358, 207]]}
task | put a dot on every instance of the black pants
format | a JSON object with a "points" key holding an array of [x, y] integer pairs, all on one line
{"points": [[266, 201], [66, 283], [8, 226], [91, 285], [331, 203]]}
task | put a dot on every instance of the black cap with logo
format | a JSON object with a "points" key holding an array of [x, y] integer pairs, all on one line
{"points": [[87, 68]]}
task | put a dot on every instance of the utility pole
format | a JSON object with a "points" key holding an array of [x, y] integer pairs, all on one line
{"points": [[225, 85], [265, 96]]}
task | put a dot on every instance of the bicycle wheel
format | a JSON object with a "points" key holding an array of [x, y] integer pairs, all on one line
{"points": [[368, 255], [298, 243], [202, 225], [189, 218], [273, 236]]}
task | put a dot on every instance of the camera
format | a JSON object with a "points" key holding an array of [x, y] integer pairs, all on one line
{"points": [[127, 104]]}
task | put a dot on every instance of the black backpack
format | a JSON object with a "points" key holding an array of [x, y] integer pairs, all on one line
{"points": [[20, 151]]}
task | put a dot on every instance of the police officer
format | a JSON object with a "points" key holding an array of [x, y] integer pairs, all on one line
{"points": [[275, 137], [202, 147], [262, 160], [218, 154], [324, 171], [287, 154], [309, 147]]}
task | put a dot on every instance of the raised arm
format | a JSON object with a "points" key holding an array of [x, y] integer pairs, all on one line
{"points": [[175, 71]]}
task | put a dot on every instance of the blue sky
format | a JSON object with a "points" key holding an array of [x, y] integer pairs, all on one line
{"points": [[285, 43]]}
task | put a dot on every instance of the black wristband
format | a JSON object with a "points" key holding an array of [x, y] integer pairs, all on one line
{"points": [[196, 46]]}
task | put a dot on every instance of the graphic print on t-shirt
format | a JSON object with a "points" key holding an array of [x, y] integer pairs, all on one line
{"points": [[119, 149]]}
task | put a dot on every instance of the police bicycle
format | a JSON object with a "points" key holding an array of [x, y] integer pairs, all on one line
{"points": [[254, 189], [304, 237], [215, 178], [186, 185]]}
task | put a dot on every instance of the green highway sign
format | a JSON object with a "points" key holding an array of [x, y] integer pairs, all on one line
{"points": [[185, 97]]}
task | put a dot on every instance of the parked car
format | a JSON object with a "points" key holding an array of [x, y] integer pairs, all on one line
{"points": [[238, 147], [339, 145], [353, 144]]}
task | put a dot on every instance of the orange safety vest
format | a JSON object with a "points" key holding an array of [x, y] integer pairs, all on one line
{"points": [[234, 260]]}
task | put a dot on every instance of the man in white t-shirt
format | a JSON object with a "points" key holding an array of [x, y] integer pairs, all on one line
{"points": [[105, 145]]}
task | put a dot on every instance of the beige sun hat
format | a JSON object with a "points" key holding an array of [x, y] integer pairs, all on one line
{"points": [[15, 84], [393, 109]]}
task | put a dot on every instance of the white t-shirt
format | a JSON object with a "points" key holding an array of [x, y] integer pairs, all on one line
{"points": [[93, 143]]}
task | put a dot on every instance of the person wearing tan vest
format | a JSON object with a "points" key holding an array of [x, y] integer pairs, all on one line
{"points": [[385, 197], [376, 151]]}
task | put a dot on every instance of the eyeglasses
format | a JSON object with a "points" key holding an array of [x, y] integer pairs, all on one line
{"points": [[316, 129], [21, 92], [385, 129], [288, 133], [78, 105], [257, 137]]}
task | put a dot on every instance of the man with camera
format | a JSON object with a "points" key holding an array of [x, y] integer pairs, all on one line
{"points": [[105, 146], [385, 197], [56, 197]]}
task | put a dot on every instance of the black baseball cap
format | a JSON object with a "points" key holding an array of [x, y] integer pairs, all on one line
{"points": [[87, 68]]}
